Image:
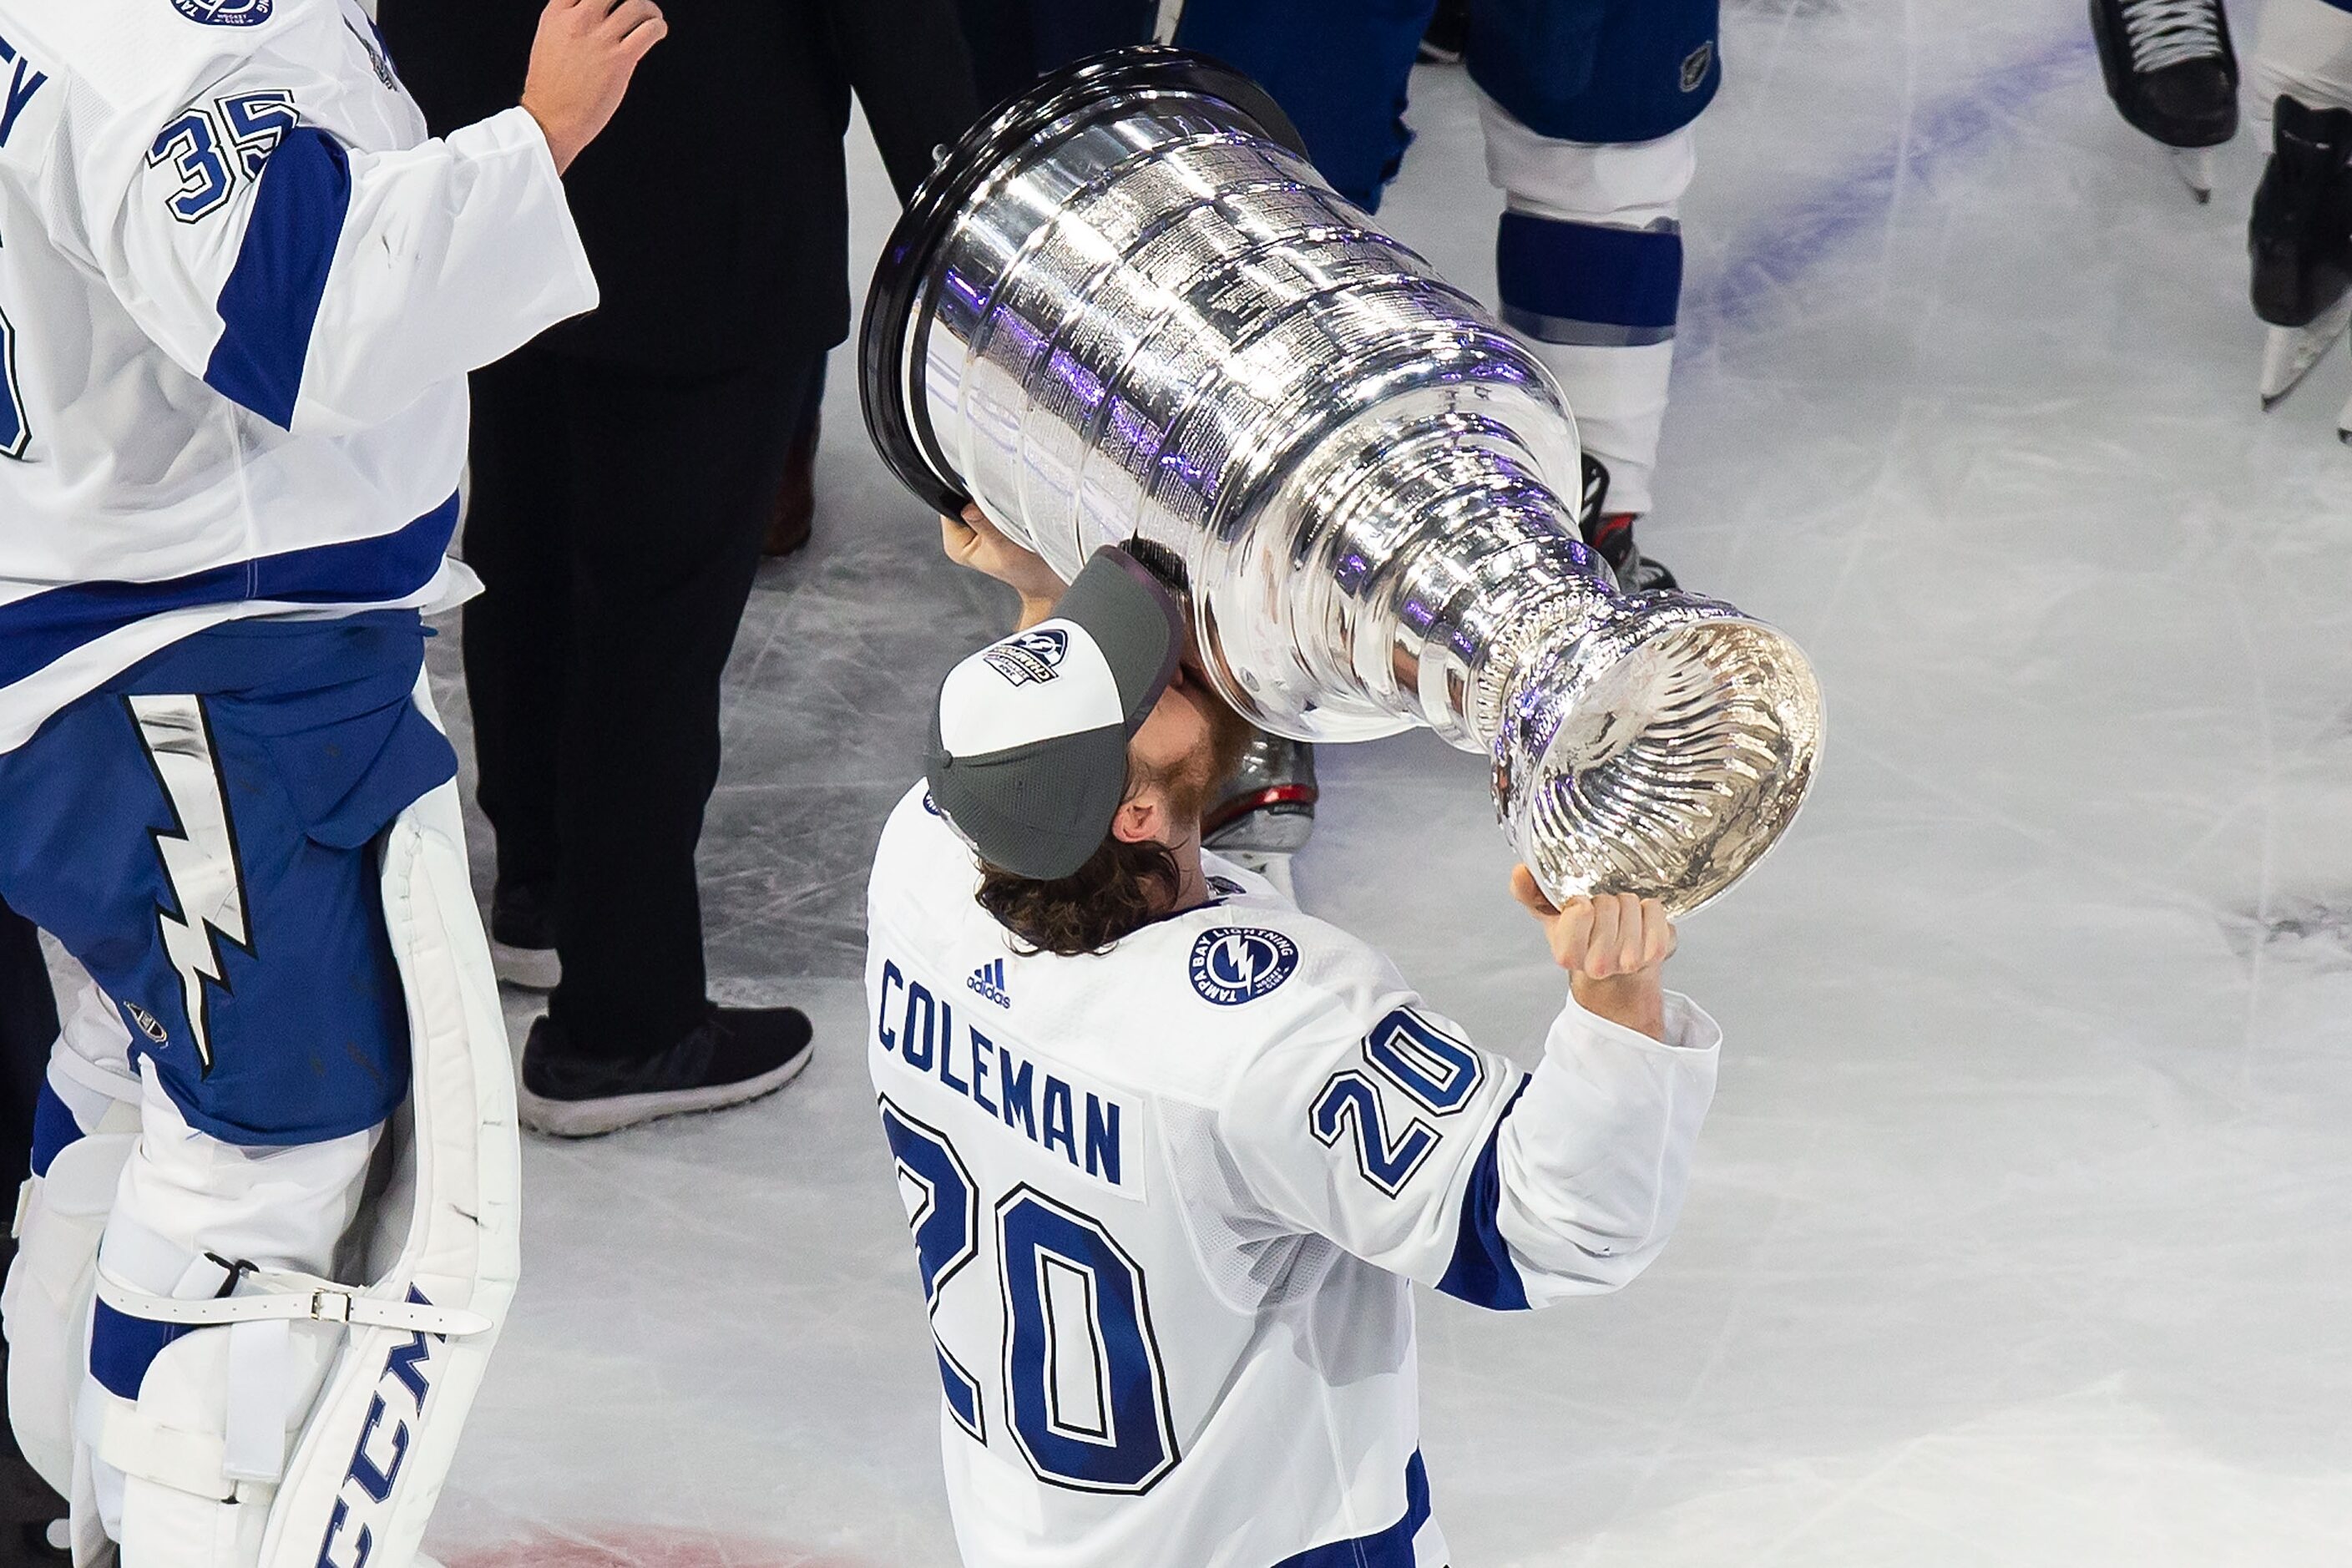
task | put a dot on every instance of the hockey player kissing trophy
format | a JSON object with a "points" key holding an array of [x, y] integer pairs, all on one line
{"points": [[1172, 1152], [272, 1229]]}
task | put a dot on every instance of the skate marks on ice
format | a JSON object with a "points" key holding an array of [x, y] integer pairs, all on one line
{"points": [[1747, 285], [2309, 933], [2019, 1233]]}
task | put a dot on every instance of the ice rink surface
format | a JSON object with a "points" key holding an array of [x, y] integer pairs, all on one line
{"points": [[2023, 1229]]}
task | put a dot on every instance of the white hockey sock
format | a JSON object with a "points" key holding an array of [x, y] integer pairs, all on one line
{"points": [[1619, 396], [1589, 263]]}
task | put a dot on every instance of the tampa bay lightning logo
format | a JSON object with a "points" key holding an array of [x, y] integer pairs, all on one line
{"points": [[226, 12], [1695, 66], [1031, 657], [1234, 964]]}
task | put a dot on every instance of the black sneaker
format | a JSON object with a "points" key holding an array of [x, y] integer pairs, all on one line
{"points": [[735, 1055], [522, 935]]}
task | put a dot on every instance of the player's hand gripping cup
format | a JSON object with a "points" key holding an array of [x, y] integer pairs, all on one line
{"points": [[1125, 310]]}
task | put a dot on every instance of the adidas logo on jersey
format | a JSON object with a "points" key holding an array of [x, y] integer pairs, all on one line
{"points": [[989, 980]]}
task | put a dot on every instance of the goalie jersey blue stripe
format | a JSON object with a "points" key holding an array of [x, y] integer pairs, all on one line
{"points": [[36, 632], [271, 300]]}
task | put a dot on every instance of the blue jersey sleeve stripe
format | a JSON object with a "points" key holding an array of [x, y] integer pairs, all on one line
{"points": [[121, 1348], [1482, 1272], [1628, 279], [38, 630], [1389, 1548], [271, 300]]}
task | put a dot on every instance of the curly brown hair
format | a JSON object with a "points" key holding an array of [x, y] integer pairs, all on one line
{"points": [[1121, 889]]}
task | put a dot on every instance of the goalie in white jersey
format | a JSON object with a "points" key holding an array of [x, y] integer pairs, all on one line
{"points": [[1174, 1153], [240, 291]]}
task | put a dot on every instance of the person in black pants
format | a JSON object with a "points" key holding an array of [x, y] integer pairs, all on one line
{"points": [[28, 1027], [1014, 42], [625, 466]]}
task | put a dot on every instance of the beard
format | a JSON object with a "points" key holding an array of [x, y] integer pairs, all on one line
{"points": [[1197, 781]]}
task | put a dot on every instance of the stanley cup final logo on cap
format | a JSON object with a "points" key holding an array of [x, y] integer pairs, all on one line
{"points": [[1030, 657]]}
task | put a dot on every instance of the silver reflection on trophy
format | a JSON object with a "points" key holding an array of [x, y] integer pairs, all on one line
{"points": [[1126, 308]]}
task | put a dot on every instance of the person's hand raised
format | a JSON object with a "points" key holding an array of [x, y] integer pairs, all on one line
{"points": [[972, 541], [581, 64], [1613, 946]]}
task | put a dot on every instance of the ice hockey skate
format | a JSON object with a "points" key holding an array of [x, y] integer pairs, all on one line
{"points": [[1268, 813], [2300, 240], [1612, 534], [2171, 69]]}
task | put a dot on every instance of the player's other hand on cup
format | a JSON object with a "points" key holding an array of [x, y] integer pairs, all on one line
{"points": [[1612, 945], [972, 541], [581, 65]]}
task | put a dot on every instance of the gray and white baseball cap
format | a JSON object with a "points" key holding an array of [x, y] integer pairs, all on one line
{"points": [[1029, 737]]}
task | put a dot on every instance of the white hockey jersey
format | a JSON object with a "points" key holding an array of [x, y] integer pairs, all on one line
{"points": [[239, 293], [1169, 1204]]}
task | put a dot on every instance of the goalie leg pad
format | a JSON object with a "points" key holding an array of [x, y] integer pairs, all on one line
{"points": [[438, 1242], [364, 1479], [1588, 259], [188, 1426]]}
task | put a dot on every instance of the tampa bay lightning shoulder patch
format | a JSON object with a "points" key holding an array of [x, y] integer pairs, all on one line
{"points": [[226, 12], [1234, 964]]}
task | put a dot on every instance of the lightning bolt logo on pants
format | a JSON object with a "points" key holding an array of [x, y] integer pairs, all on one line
{"points": [[198, 852]]}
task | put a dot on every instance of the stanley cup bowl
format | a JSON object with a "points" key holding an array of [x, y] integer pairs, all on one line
{"points": [[1125, 310]]}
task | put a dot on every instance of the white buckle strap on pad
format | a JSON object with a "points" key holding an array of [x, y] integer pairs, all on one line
{"points": [[288, 1295]]}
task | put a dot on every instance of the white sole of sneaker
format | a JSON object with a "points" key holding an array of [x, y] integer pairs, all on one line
{"points": [[528, 968], [595, 1118]]}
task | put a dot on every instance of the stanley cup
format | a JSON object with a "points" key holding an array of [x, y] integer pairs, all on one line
{"points": [[1125, 309]]}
